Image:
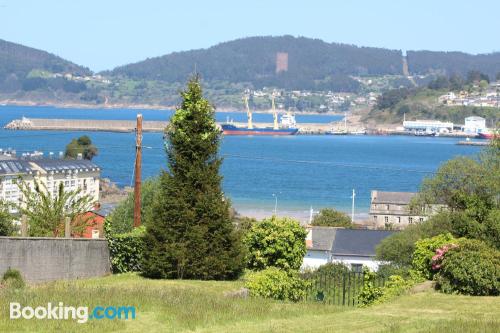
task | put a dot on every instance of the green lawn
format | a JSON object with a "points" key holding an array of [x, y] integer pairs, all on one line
{"points": [[178, 306]]}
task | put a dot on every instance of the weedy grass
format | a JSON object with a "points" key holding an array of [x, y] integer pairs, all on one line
{"points": [[200, 306]]}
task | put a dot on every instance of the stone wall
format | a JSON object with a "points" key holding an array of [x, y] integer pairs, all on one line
{"points": [[41, 259]]}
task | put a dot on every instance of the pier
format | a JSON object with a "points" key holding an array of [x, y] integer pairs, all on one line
{"points": [[41, 124], [473, 143]]}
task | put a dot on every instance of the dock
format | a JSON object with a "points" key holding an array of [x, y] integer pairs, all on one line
{"points": [[42, 124], [473, 143]]}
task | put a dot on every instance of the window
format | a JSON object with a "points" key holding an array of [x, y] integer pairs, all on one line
{"points": [[421, 219], [386, 219], [410, 219], [375, 218], [387, 207], [399, 219], [357, 268]]}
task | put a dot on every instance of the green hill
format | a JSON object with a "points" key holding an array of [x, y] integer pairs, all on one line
{"points": [[312, 64], [22, 66], [448, 63]]}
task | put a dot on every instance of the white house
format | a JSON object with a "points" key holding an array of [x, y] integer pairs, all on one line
{"points": [[474, 124], [353, 247], [319, 242]]}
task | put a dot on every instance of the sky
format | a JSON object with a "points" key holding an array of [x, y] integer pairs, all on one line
{"points": [[103, 34]]}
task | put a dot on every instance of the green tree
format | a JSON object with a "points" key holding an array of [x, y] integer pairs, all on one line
{"points": [[83, 145], [190, 233], [122, 217], [6, 226], [399, 247], [276, 242], [46, 213], [328, 217]]}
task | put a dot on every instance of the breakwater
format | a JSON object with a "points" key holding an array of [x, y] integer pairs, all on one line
{"points": [[39, 124], [83, 125]]}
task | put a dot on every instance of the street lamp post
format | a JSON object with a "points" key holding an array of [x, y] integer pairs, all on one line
{"points": [[352, 210], [275, 204]]}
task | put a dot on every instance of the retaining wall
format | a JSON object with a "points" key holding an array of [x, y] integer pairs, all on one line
{"points": [[42, 259]]}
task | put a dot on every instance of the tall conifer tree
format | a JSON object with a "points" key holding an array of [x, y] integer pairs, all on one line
{"points": [[190, 234]]}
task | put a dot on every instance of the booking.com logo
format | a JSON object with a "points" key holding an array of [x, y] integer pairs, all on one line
{"points": [[81, 314]]}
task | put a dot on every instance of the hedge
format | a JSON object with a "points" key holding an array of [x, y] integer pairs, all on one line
{"points": [[125, 250]]}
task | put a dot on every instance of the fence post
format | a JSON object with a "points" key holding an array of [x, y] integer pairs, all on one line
{"points": [[67, 227], [24, 226], [343, 288]]}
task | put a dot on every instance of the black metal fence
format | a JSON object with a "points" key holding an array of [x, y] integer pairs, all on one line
{"points": [[339, 289]]}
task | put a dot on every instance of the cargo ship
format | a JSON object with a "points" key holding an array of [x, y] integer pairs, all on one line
{"points": [[288, 124]]}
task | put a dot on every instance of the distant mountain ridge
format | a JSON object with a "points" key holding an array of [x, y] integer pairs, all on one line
{"points": [[312, 63], [287, 62], [17, 61]]}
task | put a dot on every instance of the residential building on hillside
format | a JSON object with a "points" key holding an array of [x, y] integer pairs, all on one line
{"points": [[353, 247], [392, 210]]}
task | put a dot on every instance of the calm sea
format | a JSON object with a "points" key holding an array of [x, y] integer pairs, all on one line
{"points": [[302, 171]]}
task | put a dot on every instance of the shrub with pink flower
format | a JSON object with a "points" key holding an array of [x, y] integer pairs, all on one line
{"points": [[438, 257]]}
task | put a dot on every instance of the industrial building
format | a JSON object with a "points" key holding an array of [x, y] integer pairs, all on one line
{"points": [[427, 126], [474, 125]]}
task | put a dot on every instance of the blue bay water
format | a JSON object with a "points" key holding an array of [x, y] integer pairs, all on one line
{"points": [[303, 171]]}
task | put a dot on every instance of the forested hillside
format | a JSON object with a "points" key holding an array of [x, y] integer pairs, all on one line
{"points": [[448, 63], [312, 64], [18, 61]]}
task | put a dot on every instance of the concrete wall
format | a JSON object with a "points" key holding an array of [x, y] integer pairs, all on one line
{"points": [[41, 259]]}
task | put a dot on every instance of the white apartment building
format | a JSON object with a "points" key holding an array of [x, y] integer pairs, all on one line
{"points": [[72, 174], [10, 171]]}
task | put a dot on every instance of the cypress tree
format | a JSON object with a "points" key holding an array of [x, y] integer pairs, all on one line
{"points": [[190, 234]]}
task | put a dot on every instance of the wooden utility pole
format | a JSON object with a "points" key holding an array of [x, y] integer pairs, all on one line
{"points": [[138, 162]]}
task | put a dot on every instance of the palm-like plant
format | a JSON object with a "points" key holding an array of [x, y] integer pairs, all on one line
{"points": [[46, 213]]}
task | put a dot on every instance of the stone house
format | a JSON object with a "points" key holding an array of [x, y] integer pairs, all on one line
{"points": [[392, 210]]}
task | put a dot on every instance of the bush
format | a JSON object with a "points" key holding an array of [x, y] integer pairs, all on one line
{"points": [[332, 269], [122, 217], [399, 247], [276, 242], [332, 218], [6, 226], [386, 270], [12, 278], [425, 249], [471, 268], [125, 250], [371, 294], [277, 284]]}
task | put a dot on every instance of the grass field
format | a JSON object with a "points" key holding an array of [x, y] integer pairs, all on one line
{"points": [[179, 306]]}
